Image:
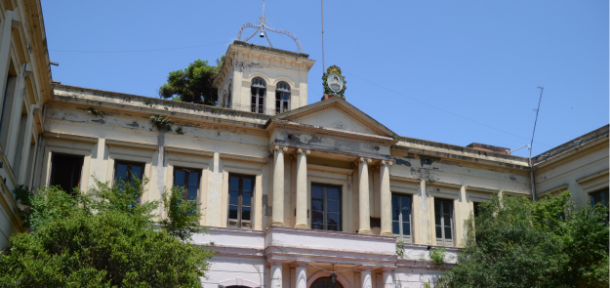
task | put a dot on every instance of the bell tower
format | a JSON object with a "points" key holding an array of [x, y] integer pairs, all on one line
{"points": [[263, 79]]}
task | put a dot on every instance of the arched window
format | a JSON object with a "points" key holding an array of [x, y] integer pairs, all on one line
{"points": [[282, 98], [258, 95]]}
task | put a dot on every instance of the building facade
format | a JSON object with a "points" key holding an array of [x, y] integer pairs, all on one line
{"points": [[292, 193]]}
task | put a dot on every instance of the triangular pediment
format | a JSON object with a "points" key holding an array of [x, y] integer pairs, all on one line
{"points": [[336, 114]]}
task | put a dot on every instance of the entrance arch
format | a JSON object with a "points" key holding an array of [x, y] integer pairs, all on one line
{"points": [[322, 275]]}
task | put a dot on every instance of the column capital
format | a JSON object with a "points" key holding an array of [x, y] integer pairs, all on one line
{"points": [[278, 147], [386, 162], [301, 150], [363, 159]]}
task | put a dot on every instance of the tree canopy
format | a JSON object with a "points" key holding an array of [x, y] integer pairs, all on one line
{"points": [[547, 243], [193, 84], [105, 239]]}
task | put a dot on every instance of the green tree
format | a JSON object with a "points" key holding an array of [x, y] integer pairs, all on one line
{"points": [[106, 239], [520, 243], [193, 84]]}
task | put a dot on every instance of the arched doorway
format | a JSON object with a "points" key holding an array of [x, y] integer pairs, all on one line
{"points": [[325, 282]]}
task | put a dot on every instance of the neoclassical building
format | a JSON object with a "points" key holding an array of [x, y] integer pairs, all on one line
{"points": [[292, 192]]}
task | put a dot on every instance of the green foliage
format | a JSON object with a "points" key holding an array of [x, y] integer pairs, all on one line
{"points": [[162, 124], [426, 285], [193, 84], [400, 249], [117, 246], [179, 131], [520, 243], [182, 215], [96, 112], [437, 255]]}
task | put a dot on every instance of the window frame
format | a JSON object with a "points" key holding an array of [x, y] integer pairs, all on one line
{"points": [[325, 205], [409, 238], [130, 165], [443, 241], [239, 221], [186, 181], [604, 199], [53, 173], [281, 90], [260, 86]]}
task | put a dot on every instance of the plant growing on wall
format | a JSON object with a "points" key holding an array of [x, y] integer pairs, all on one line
{"points": [[437, 255], [400, 248], [96, 112], [179, 131], [161, 123]]}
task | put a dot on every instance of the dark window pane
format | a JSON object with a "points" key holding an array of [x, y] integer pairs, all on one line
{"points": [[246, 199], [247, 182], [317, 220], [395, 213], [405, 203], [316, 204], [333, 219], [395, 201], [179, 179], [121, 172], [234, 184], [437, 219], [245, 214], [448, 232], [192, 193], [406, 229], [332, 193], [447, 219], [333, 206], [136, 171], [446, 208], [232, 212], [332, 227], [395, 228], [233, 197], [439, 232], [194, 179], [317, 192]]}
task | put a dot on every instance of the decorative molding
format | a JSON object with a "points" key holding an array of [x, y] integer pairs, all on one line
{"points": [[70, 137], [135, 145], [336, 170], [243, 158], [586, 179], [182, 150]]}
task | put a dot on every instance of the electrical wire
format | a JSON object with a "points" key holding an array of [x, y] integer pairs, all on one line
{"points": [[441, 109], [138, 51]]}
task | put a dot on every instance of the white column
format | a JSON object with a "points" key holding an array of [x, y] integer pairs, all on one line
{"points": [[386, 198], [15, 120], [302, 189], [388, 279], [25, 150], [365, 277], [365, 213], [425, 229], [278, 186], [5, 47], [276, 275], [301, 275]]}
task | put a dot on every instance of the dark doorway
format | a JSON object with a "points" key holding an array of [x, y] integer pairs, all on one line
{"points": [[325, 282], [66, 171]]}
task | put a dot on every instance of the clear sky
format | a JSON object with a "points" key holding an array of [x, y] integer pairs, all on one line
{"points": [[449, 71]]}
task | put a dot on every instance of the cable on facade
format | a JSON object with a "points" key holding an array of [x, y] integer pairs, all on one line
{"points": [[138, 51], [441, 109]]}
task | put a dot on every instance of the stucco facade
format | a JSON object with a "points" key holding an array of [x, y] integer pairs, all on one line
{"points": [[361, 169]]}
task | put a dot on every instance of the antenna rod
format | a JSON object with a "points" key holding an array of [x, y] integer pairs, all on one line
{"points": [[263, 8], [323, 64], [532, 144]]}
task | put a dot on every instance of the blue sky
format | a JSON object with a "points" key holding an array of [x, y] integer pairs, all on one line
{"points": [[449, 71]]}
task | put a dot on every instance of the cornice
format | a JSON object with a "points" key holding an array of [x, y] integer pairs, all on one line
{"points": [[569, 154]]}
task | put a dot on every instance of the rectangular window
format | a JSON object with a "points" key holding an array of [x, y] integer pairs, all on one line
{"points": [[66, 171], [401, 216], [124, 172], [326, 207], [240, 201], [600, 197], [443, 212], [189, 180], [477, 208]]}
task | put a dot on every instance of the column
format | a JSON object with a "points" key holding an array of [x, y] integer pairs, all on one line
{"points": [[276, 275], [5, 47], [15, 116], [388, 279], [386, 198], [278, 186], [463, 212], [424, 214], [25, 150], [301, 275], [301, 221], [365, 277], [365, 213]]}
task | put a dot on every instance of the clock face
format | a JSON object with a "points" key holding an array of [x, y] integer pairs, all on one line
{"points": [[335, 82]]}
